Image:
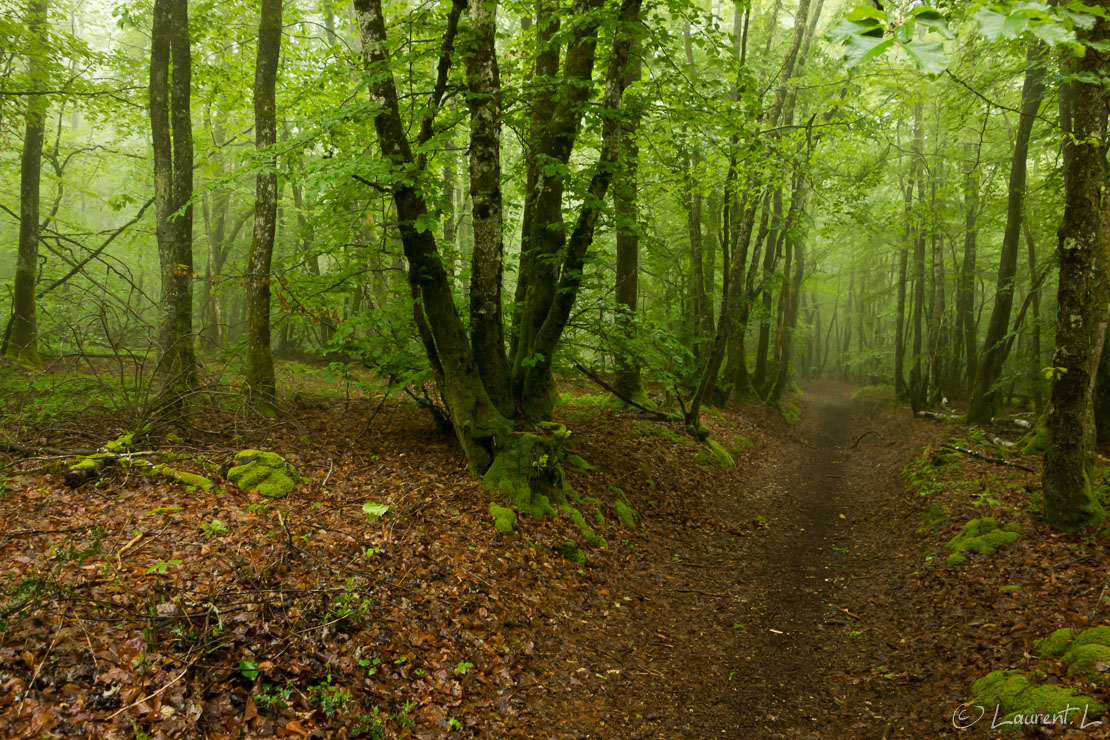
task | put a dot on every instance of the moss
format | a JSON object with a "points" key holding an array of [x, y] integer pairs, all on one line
{"points": [[576, 518], [981, 536], [874, 394], [189, 479], [1055, 644], [717, 455], [1008, 589], [1092, 662], [941, 456], [504, 519], [1037, 439], [1092, 636], [579, 464], [645, 428], [791, 412], [955, 559], [740, 444], [571, 552], [586, 400], [626, 514], [121, 443], [1015, 693], [265, 472], [527, 475]]}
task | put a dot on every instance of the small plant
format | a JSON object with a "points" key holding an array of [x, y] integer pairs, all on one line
{"points": [[162, 567], [331, 699], [370, 724], [348, 606], [137, 732], [88, 549], [214, 528], [454, 724], [402, 718], [249, 669], [462, 668], [273, 698], [371, 666]]}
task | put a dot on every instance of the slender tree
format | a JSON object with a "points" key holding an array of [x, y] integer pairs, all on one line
{"points": [[260, 360]]}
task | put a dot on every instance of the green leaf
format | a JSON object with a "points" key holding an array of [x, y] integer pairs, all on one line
{"points": [[1031, 7], [1053, 34], [864, 11], [929, 56], [990, 23], [1078, 20], [934, 20], [861, 48], [1015, 25], [1099, 46], [847, 29], [1079, 7], [375, 511]]}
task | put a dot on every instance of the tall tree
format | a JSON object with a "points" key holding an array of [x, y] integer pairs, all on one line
{"points": [[172, 136], [984, 399], [1083, 295], [22, 344], [260, 360], [627, 379]]}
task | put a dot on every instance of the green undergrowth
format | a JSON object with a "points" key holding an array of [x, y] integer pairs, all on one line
{"points": [[982, 536], [875, 394]]}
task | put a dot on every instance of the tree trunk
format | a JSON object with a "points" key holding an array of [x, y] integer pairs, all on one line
{"points": [[965, 297], [627, 379], [23, 343], [172, 136], [984, 400], [1082, 296], [917, 377], [260, 361]]}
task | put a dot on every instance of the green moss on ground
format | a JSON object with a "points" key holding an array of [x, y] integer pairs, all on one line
{"points": [[571, 552], [588, 534], [980, 536], [740, 444], [1092, 662], [713, 454], [1008, 589], [586, 400], [504, 519], [121, 443], [1055, 644], [1036, 441], [874, 394], [1015, 693], [265, 472], [626, 514], [648, 428], [579, 464]]}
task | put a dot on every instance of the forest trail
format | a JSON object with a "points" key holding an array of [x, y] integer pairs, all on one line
{"points": [[755, 620]]}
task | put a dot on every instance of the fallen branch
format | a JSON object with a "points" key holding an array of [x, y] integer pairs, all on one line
{"points": [[654, 412], [988, 458], [937, 416], [870, 431]]}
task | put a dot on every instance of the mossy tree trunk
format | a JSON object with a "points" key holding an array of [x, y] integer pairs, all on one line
{"points": [[984, 399], [1082, 297], [172, 136], [22, 344], [260, 360], [965, 292]]}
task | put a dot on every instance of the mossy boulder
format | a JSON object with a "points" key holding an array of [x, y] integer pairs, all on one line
{"points": [[265, 472], [1092, 662], [1055, 644], [1012, 693], [504, 519], [980, 536]]}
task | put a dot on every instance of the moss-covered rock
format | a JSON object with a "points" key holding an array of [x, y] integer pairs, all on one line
{"points": [[1055, 644], [1036, 440], [265, 472], [1093, 636], [1015, 695], [980, 536], [181, 476], [1092, 662], [504, 519]]}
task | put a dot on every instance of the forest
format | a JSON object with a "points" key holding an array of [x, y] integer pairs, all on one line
{"points": [[569, 368]]}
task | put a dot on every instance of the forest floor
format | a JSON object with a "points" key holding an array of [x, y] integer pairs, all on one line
{"points": [[801, 593]]}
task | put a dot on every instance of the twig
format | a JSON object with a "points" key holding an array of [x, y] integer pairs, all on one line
{"points": [[850, 614], [702, 593], [870, 431], [988, 458]]}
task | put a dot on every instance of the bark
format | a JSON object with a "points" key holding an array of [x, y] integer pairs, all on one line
{"points": [[900, 389], [1035, 334], [692, 203], [22, 344], [172, 137], [260, 360], [627, 379], [984, 399], [795, 236], [1082, 297], [486, 323], [478, 424]]}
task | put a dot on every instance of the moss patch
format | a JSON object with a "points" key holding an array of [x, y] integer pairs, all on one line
{"points": [[189, 479], [571, 552], [1092, 662], [1014, 693], [527, 475], [1036, 441], [588, 534], [265, 472], [980, 536], [716, 455], [1055, 644], [579, 464], [874, 394], [504, 519], [626, 514]]}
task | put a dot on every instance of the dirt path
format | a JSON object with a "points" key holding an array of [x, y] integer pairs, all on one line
{"points": [[761, 615]]}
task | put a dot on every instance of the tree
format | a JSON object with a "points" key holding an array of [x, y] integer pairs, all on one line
{"points": [[172, 136], [260, 360], [1083, 295], [22, 344], [984, 403]]}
